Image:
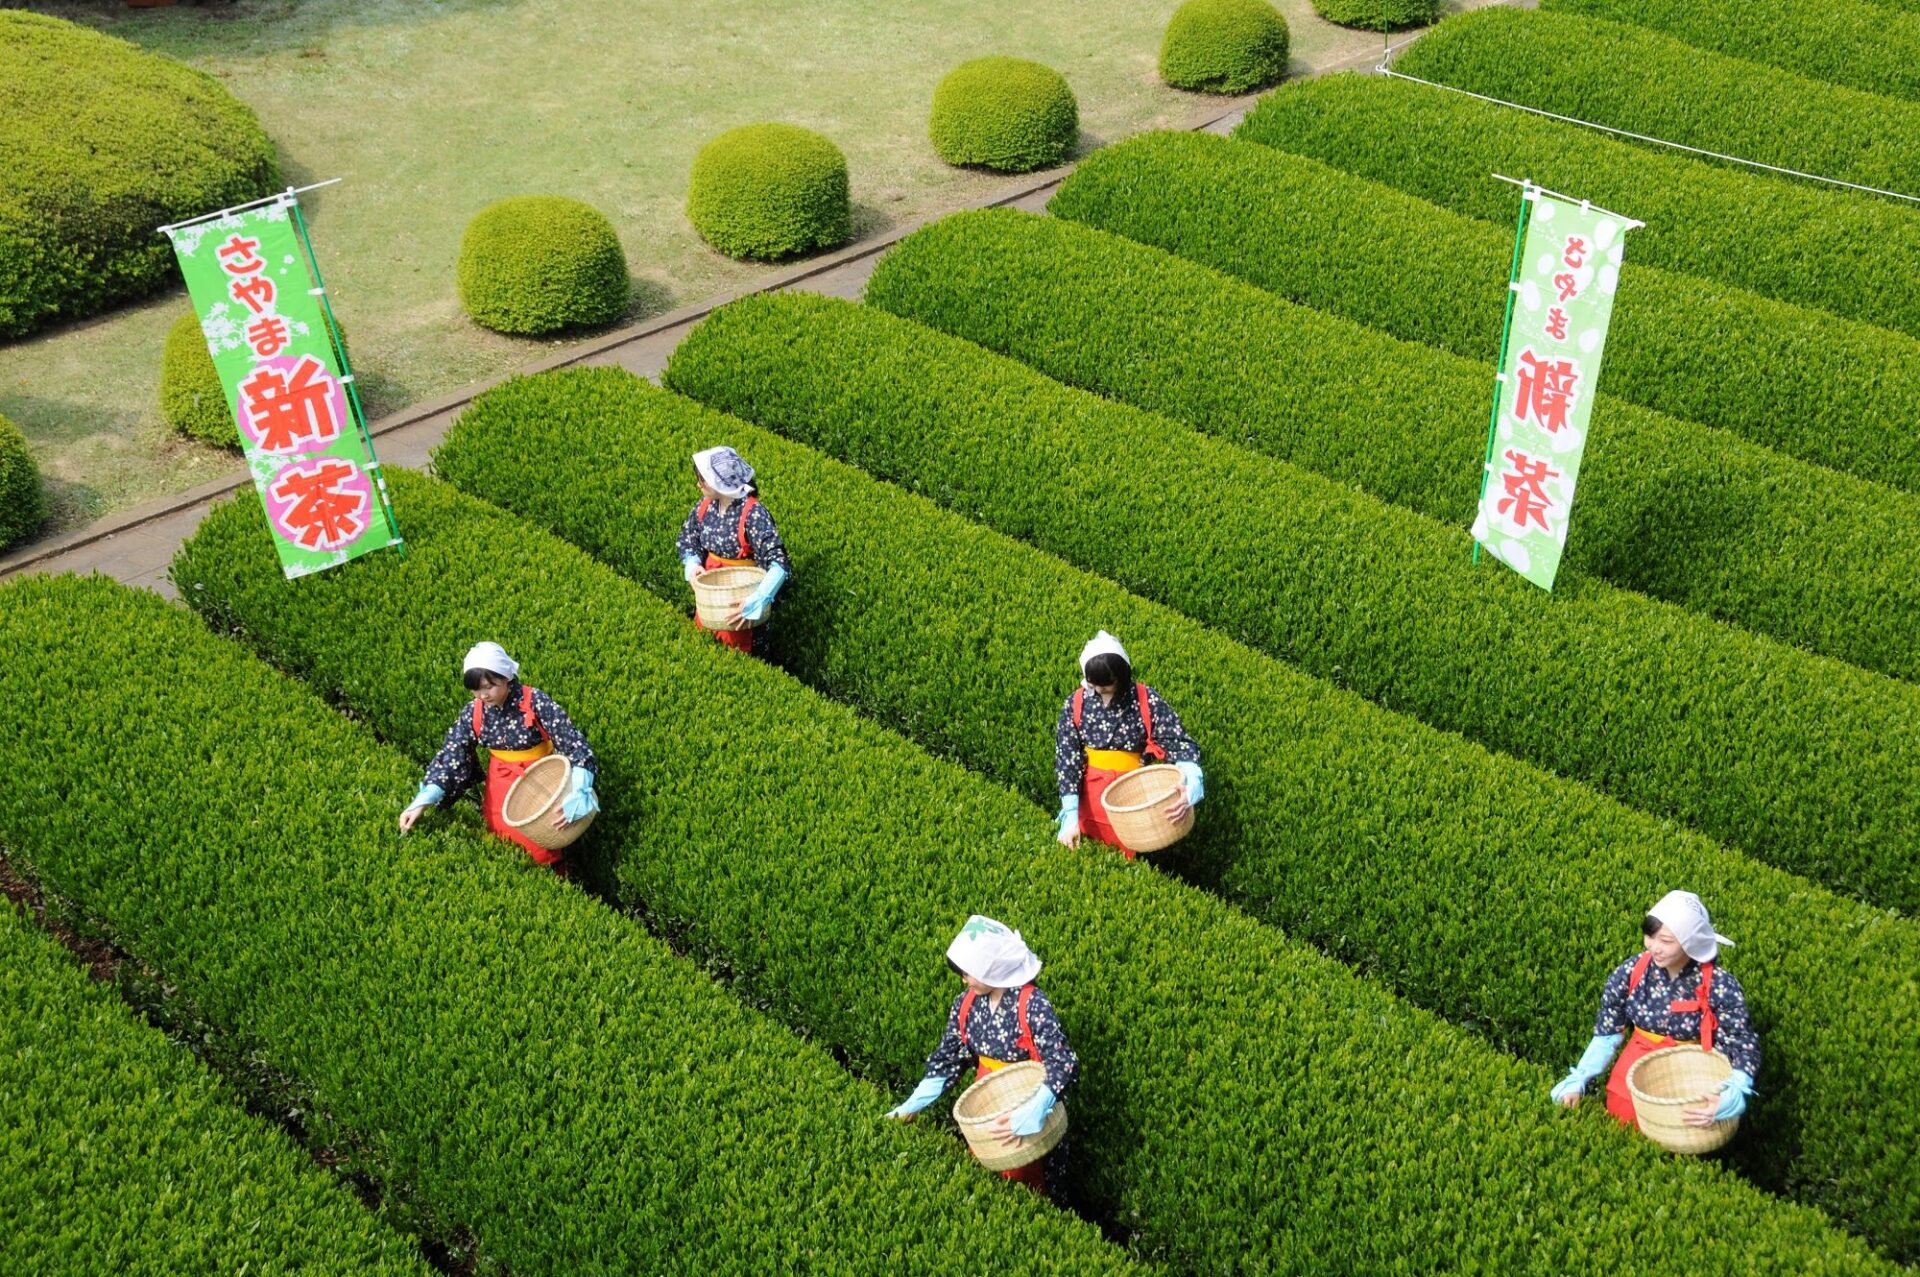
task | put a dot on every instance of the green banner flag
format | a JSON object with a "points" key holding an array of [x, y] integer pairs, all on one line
{"points": [[1566, 267], [288, 384]]}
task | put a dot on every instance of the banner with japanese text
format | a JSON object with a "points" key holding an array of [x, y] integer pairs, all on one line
{"points": [[298, 416], [1566, 270]]}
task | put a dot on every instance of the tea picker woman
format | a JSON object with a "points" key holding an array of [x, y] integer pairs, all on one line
{"points": [[731, 528], [515, 724], [1001, 1018], [1109, 726], [1672, 992]]}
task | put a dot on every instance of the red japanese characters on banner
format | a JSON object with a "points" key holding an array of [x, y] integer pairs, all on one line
{"points": [[1526, 500], [321, 504], [1547, 389], [291, 405]]}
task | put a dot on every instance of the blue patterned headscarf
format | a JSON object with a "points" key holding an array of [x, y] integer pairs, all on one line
{"points": [[725, 471]]}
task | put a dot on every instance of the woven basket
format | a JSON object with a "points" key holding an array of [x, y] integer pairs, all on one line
{"points": [[1002, 1091], [1666, 1083], [717, 591], [1136, 808], [533, 798]]}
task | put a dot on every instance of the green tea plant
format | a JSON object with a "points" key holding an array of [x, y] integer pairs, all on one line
{"points": [[515, 1055], [1796, 380], [1802, 243], [1465, 853], [1232, 1077]]}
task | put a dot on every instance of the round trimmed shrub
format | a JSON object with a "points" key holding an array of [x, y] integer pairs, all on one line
{"points": [[770, 190], [1224, 46], [22, 503], [191, 400], [100, 142], [1377, 15], [534, 264], [1005, 114]]}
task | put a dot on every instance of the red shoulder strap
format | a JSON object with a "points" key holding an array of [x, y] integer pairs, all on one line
{"points": [[966, 1009], [746, 508], [527, 715], [1639, 972], [1026, 1029], [1701, 1001], [476, 718], [1146, 721], [1079, 700], [700, 511]]}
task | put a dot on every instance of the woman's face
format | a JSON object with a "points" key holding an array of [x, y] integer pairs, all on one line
{"points": [[1105, 691], [706, 489], [492, 690], [976, 986], [1665, 948]]}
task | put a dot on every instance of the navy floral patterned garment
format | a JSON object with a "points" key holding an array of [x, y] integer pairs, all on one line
{"points": [[719, 533], [1647, 1008], [996, 1035], [458, 766], [1115, 726]]}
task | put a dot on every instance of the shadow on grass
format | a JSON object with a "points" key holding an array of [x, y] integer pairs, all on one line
{"points": [[241, 28]]}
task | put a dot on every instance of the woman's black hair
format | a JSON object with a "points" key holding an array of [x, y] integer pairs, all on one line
{"points": [[1109, 669], [473, 677], [1650, 925], [955, 967]]}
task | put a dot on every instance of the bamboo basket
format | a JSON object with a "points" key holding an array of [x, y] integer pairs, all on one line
{"points": [[535, 796], [1667, 1082], [1136, 805], [717, 591], [1002, 1091]]}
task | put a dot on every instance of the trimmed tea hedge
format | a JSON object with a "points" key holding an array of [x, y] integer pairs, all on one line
{"points": [[1006, 114], [1245, 1104], [1792, 240], [192, 402], [1847, 42], [1224, 46], [1632, 78], [527, 1061], [1277, 834], [23, 504], [100, 142], [1378, 15], [537, 264], [1797, 380], [769, 191], [121, 1154], [1669, 507]]}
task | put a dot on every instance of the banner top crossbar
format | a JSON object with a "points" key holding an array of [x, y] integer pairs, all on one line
{"points": [[287, 194], [1530, 185]]}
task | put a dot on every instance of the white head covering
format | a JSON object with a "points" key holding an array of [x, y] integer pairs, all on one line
{"points": [[725, 471], [1101, 644], [1687, 917], [992, 954], [491, 657]]}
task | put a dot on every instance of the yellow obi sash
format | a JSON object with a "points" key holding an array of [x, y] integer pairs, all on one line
{"points": [[725, 562], [1661, 1039], [541, 750], [988, 1064], [1113, 760]]}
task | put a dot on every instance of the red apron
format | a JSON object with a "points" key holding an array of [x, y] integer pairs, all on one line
{"points": [[1104, 766], [1640, 1042], [504, 766], [741, 640], [1034, 1173]]}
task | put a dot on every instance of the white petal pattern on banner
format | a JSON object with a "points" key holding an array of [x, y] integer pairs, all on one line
{"points": [[1546, 265], [1603, 232], [1543, 209], [1530, 295], [1516, 553], [1589, 341], [1609, 279]]}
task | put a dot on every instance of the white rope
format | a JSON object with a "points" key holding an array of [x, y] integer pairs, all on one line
{"points": [[1388, 71]]}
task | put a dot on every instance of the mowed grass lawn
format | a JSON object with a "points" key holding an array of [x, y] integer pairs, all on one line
{"points": [[430, 111]]}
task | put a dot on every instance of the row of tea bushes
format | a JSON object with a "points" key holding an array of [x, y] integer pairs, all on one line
{"points": [[1672, 508], [1640, 80], [1245, 1103], [1392, 846], [119, 1153], [1775, 236], [517, 1056], [1856, 43], [1797, 380]]}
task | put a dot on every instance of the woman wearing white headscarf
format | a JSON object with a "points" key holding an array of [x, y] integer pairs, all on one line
{"points": [[1109, 726], [1672, 992], [731, 528], [1001, 1018], [515, 724]]}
